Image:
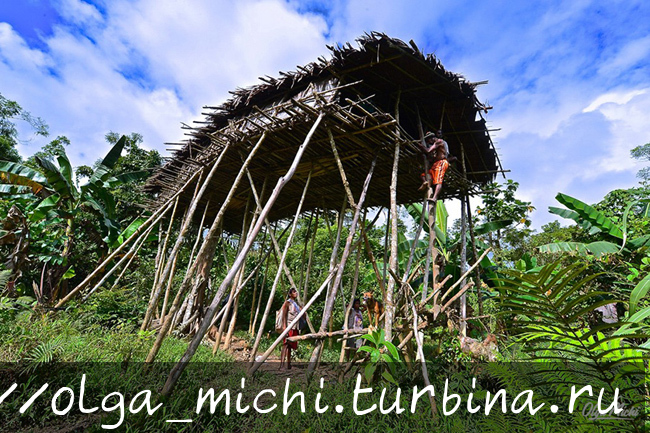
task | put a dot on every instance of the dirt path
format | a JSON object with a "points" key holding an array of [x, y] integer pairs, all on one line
{"points": [[241, 350]]}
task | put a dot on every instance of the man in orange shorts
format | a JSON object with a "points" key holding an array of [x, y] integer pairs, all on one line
{"points": [[437, 152]]}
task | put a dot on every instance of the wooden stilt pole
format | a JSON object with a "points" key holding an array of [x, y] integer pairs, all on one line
{"points": [[255, 288], [194, 344], [353, 293], [339, 164], [259, 301], [278, 274], [131, 253], [203, 257], [423, 363], [163, 263], [311, 256], [389, 306], [168, 272], [303, 257], [334, 258], [277, 249], [158, 259], [477, 278], [189, 304], [329, 303], [380, 279], [386, 253], [284, 333], [430, 209], [231, 298], [463, 250]]}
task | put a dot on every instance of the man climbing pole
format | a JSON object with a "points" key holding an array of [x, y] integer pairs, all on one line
{"points": [[437, 152]]}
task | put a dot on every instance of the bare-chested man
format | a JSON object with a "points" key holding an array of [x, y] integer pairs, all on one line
{"points": [[437, 152]]}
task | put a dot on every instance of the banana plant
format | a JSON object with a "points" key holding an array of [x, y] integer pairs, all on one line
{"points": [[444, 244], [54, 198], [594, 222]]}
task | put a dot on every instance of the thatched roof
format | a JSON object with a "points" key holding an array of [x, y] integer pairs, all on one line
{"points": [[359, 88]]}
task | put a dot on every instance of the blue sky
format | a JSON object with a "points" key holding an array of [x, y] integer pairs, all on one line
{"points": [[569, 81]]}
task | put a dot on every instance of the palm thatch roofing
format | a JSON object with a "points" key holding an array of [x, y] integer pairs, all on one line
{"points": [[373, 96]]}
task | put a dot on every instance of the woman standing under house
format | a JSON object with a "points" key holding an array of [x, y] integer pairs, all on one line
{"points": [[290, 310]]}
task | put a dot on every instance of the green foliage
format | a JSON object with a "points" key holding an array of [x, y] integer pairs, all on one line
{"points": [[555, 315], [42, 354], [59, 209], [594, 221], [642, 153], [383, 358], [500, 203], [589, 216], [501, 206], [10, 111]]}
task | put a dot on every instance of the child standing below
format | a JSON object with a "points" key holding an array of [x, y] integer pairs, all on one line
{"points": [[355, 323]]}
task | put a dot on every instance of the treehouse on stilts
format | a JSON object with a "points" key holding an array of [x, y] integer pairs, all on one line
{"points": [[340, 133]]}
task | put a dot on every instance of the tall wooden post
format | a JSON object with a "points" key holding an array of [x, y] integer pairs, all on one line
{"points": [[463, 249], [211, 311], [278, 275], [329, 303], [477, 277], [390, 289], [204, 257], [168, 272]]}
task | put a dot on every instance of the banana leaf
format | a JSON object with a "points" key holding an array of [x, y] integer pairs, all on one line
{"points": [[638, 293], [575, 216], [598, 248], [591, 215], [18, 174], [55, 179], [114, 154]]}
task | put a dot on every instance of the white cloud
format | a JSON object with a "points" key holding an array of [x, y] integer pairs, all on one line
{"points": [[146, 66], [567, 83], [619, 98], [15, 53], [78, 12]]}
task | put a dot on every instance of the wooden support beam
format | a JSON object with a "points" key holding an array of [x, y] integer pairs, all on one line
{"points": [[168, 272], [203, 257], [463, 248], [323, 335], [194, 344], [329, 303], [311, 256], [276, 246], [346, 184], [129, 255], [278, 274], [393, 263], [477, 278], [353, 293], [293, 323]]}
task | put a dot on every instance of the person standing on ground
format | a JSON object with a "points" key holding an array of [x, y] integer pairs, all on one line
{"points": [[290, 310], [355, 324]]}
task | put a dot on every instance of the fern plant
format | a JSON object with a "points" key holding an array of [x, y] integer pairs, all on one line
{"points": [[42, 354], [553, 314]]}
